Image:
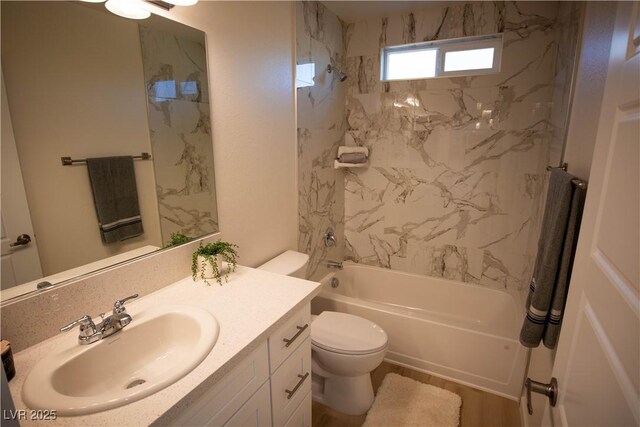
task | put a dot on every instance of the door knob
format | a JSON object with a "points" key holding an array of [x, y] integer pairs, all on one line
{"points": [[21, 240], [550, 390]]}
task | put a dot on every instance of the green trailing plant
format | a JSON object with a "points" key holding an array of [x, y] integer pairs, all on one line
{"points": [[225, 250], [177, 239]]}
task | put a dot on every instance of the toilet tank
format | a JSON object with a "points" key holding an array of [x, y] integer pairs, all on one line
{"points": [[289, 263]]}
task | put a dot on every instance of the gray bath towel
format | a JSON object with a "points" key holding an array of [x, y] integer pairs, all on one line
{"points": [[556, 248], [115, 195]]}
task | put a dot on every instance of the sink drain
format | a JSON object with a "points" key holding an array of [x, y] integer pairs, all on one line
{"points": [[134, 383]]}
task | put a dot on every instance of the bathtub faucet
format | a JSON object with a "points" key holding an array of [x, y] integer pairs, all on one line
{"points": [[334, 264]]}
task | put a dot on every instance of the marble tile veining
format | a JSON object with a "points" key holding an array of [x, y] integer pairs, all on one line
{"points": [[180, 128], [456, 176], [321, 130]]}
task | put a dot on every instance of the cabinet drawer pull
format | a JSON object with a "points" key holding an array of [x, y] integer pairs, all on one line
{"points": [[290, 393], [293, 338]]}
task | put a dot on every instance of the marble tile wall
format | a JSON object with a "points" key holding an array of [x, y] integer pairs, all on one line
{"points": [[321, 129], [455, 183], [175, 70]]}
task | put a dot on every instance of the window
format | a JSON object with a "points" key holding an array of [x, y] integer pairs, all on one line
{"points": [[164, 90], [305, 74], [465, 56], [189, 88], [411, 64]]}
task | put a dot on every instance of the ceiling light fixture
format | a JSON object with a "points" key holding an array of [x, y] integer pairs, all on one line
{"points": [[132, 9]]}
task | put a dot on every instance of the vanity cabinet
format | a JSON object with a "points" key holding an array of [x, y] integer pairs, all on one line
{"points": [[270, 387], [290, 383]]}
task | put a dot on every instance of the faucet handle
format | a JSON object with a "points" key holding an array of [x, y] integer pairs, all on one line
{"points": [[85, 323], [118, 306]]}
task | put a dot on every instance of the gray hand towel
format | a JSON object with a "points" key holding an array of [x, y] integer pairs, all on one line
{"points": [[552, 330], [115, 195], [354, 158], [556, 248]]}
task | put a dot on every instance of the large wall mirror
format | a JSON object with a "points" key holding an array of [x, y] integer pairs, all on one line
{"points": [[80, 82]]}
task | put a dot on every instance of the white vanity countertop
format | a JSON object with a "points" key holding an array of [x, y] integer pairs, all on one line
{"points": [[248, 308]]}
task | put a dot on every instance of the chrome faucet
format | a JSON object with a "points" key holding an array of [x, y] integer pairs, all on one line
{"points": [[334, 264], [90, 332]]}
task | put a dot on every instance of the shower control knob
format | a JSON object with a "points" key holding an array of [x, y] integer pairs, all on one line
{"points": [[329, 238]]}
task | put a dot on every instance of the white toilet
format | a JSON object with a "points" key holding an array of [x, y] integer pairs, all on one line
{"points": [[346, 348]]}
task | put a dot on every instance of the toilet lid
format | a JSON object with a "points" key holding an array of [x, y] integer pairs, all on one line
{"points": [[347, 334]]}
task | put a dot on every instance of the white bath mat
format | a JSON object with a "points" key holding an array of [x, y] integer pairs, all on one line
{"points": [[402, 401]]}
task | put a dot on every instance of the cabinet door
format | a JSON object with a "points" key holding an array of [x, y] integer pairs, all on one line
{"points": [[301, 417], [291, 383], [218, 404], [256, 412]]}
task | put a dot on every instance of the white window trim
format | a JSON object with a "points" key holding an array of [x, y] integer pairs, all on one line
{"points": [[450, 45]]}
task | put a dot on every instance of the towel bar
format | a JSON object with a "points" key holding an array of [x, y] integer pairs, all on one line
{"points": [[68, 161], [575, 181]]}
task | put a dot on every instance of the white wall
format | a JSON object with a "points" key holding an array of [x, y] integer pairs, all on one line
{"points": [[65, 68], [592, 73], [250, 49], [583, 123]]}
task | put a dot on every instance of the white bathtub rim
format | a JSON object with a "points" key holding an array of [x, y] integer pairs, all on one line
{"points": [[386, 308], [516, 296], [513, 293]]}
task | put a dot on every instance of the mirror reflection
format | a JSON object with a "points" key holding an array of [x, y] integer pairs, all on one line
{"points": [[80, 82]]}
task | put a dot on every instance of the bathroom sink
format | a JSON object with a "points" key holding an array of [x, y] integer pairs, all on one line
{"points": [[160, 346]]}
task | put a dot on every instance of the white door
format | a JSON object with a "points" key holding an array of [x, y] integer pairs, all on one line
{"points": [[20, 260], [598, 360]]}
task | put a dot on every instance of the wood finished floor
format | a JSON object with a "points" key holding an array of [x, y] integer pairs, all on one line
{"points": [[479, 408]]}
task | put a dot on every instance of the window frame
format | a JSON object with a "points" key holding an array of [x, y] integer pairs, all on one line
{"points": [[494, 41]]}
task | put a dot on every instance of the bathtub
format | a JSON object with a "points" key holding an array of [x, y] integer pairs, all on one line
{"points": [[461, 332]]}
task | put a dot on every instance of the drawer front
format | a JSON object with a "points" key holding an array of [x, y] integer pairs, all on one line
{"points": [[220, 403], [301, 417], [291, 383], [288, 337], [256, 412]]}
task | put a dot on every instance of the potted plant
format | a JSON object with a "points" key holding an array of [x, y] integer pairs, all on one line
{"points": [[177, 239], [207, 261]]}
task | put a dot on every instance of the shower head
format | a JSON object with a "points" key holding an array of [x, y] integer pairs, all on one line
{"points": [[341, 76]]}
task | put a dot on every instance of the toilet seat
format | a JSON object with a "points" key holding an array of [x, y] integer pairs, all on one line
{"points": [[347, 334]]}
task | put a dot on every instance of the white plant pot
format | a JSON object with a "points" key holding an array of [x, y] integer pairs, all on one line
{"points": [[208, 269]]}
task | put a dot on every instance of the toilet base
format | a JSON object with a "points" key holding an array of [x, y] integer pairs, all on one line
{"points": [[349, 395]]}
